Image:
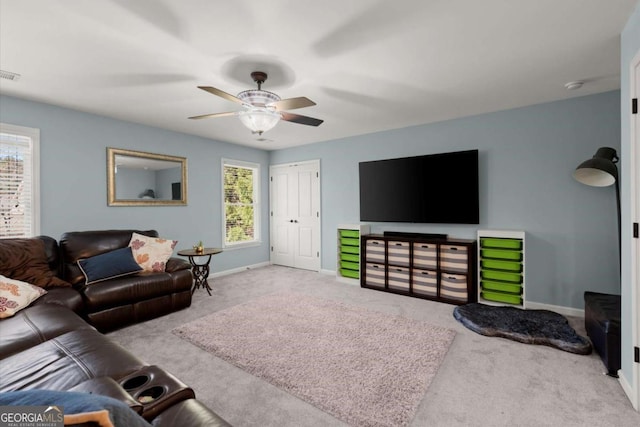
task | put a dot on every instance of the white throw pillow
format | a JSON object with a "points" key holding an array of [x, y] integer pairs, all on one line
{"points": [[151, 253], [16, 295]]}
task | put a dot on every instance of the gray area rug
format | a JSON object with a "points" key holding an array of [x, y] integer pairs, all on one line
{"points": [[543, 327], [364, 367]]}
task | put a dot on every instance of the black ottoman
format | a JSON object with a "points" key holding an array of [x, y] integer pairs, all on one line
{"points": [[602, 322]]}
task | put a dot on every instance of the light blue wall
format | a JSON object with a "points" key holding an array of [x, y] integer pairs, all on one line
{"points": [[630, 47], [526, 159], [74, 178], [527, 156]]}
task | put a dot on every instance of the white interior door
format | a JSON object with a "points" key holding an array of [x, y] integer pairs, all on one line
{"points": [[280, 195], [635, 201], [295, 215]]}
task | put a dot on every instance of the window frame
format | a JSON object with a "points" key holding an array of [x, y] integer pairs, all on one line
{"points": [[34, 135], [257, 240]]}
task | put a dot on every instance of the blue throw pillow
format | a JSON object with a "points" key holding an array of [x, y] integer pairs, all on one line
{"points": [[109, 265]]}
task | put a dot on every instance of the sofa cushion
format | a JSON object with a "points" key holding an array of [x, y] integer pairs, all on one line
{"points": [[152, 253], [66, 361], [108, 265], [16, 295], [26, 260], [75, 245], [127, 290], [35, 325]]}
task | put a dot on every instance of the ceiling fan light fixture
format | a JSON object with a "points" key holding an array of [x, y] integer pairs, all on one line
{"points": [[262, 110], [259, 120], [258, 116], [258, 98]]}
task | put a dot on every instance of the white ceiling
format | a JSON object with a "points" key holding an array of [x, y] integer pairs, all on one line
{"points": [[369, 65]]}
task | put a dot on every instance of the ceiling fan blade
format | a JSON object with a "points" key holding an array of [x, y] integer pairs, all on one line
{"points": [[206, 116], [292, 103], [303, 120], [221, 93]]}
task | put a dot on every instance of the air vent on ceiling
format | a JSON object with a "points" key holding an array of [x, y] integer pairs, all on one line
{"points": [[9, 75]]}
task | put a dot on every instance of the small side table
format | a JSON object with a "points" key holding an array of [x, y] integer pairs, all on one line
{"points": [[200, 271]]}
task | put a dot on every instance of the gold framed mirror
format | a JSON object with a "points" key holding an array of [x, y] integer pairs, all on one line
{"points": [[138, 178]]}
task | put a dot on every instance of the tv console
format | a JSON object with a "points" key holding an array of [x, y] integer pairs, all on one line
{"points": [[414, 235], [435, 268]]}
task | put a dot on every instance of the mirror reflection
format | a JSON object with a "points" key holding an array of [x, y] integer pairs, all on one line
{"points": [[137, 178]]}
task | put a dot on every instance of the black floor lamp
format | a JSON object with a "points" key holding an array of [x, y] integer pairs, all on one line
{"points": [[601, 171]]}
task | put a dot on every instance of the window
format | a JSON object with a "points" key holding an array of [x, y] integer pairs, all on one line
{"points": [[240, 189], [19, 181]]}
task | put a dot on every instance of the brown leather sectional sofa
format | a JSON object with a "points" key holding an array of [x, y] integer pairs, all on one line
{"points": [[56, 343], [118, 302]]}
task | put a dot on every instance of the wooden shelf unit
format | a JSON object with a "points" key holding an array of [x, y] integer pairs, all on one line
{"points": [[423, 267]]}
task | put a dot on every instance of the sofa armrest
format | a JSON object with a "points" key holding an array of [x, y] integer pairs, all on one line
{"points": [[107, 386], [67, 297], [176, 264]]}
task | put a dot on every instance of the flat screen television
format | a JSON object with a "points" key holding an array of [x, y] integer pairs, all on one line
{"points": [[435, 188]]}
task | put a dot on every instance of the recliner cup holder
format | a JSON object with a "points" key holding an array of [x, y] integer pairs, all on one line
{"points": [[155, 389], [135, 382], [151, 394]]}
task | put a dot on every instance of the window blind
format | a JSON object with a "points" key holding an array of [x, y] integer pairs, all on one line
{"points": [[17, 206]]}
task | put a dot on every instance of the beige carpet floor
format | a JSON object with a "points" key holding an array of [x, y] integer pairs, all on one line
{"points": [[483, 381], [365, 367]]}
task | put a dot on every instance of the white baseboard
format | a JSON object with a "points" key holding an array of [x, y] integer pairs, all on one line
{"points": [[347, 280], [629, 391], [566, 311], [239, 269]]}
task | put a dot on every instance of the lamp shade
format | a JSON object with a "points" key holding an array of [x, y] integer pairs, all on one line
{"points": [[600, 170]]}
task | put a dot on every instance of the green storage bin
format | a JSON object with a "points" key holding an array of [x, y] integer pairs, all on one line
{"points": [[350, 257], [349, 241], [503, 276], [506, 254], [510, 288], [496, 242], [350, 250], [345, 272], [502, 297], [501, 265], [350, 233], [350, 265]]}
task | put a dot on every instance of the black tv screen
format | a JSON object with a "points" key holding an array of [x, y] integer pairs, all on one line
{"points": [[436, 188]]}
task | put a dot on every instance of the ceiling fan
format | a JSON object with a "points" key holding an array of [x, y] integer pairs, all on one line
{"points": [[262, 110]]}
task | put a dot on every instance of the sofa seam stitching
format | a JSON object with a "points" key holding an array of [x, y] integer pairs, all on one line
{"points": [[33, 326], [74, 358]]}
